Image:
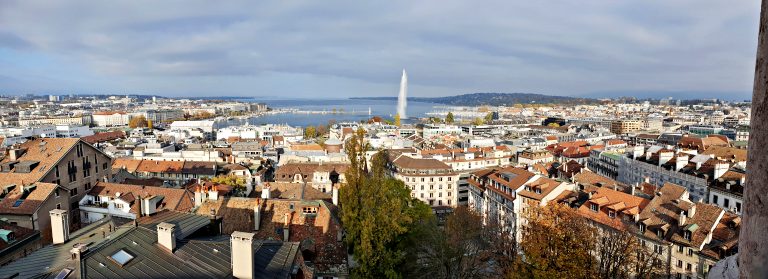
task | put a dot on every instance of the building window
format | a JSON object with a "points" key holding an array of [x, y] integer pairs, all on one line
{"points": [[593, 207], [726, 203], [611, 214], [73, 192], [690, 252], [714, 199]]}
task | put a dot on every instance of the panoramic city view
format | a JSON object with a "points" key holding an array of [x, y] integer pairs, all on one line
{"points": [[398, 139]]}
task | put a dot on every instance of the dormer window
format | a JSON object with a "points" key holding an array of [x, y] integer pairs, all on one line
{"points": [[594, 207], [660, 233], [611, 214], [687, 235], [642, 227], [309, 210]]}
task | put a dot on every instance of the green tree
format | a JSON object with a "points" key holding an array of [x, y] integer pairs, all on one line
{"points": [[397, 119], [310, 132], [488, 117], [449, 118], [378, 213]]}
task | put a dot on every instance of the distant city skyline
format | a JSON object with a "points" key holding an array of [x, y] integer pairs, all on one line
{"points": [[334, 50]]}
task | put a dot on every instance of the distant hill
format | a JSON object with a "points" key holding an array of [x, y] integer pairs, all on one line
{"points": [[479, 99]]}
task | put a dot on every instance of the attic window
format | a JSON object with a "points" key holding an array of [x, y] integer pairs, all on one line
{"points": [[687, 235], [611, 214], [121, 257], [593, 206], [309, 210]]}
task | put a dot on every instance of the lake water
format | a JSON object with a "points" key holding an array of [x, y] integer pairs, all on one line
{"points": [[354, 110]]}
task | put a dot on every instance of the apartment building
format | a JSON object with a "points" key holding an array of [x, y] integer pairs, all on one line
{"points": [[503, 195], [429, 180], [111, 118], [131, 201], [626, 126], [321, 176], [72, 164], [531, 157]]}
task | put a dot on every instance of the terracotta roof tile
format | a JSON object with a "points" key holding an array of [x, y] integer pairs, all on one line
{"points": [[48, 152]]}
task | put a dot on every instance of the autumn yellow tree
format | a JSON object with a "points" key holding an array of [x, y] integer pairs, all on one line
{"points": [[310, 132], [556, 243], [466, 246], [138, 122], [397, 120]]}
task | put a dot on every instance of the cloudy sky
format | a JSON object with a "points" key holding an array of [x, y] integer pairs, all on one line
{"points": [[358, 48]]}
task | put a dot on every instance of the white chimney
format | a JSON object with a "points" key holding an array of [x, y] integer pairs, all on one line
{"points": [[265, 194], [665, 156], [681, 220], [720, 169], [257, 216], [149, 205], [692, 211], [286, 226], [59, 226], [166, 235], [335, 195], [241, 245], [213, 193], [199, 197], [681, 162]]}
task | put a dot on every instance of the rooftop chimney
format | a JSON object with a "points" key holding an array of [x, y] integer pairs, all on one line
{"points": [[681, 220], [286, 226], [720, 169], [335, 195], [692, 211], [166, 235], [15, 153], [681, 162], [199, 196], [257, 216], [241, 244], [59, 226], [265, 194], [213, 193], [665, 156], [77, 252]]}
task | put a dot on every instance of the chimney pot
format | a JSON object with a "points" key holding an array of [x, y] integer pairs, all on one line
{"points": [[59, 226], [241, 244], [166, 235]]}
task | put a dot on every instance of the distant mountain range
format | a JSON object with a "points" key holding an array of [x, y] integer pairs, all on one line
{"points": [[508, 99]]}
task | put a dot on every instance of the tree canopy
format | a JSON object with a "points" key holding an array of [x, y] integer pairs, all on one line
{"points": [[138, 122], [449, 118], [378, 213]]}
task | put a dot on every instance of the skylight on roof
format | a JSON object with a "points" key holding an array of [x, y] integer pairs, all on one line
{"points": [[121, 257]]}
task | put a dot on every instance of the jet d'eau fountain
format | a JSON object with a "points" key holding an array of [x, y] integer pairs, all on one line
{"points": [[402, 102]]}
